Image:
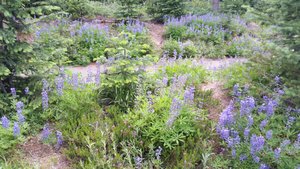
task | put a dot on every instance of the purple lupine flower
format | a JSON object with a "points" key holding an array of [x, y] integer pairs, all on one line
{"points": [[247, 105], [270, 107], [138, 162], [5, 122], [243, 157], [97, 77], [26, 90], [285, 143], [224, 133], [16, 129], [290, 121], [59, 139], [263, 124], [233, 152], [46, 132], [45, 99], [75, 80], [89, 76], [45, 84], [250, 121], [269, 134], [226, 117], [174, 111], [256, 159], [158, 152], [13, 92], [256, 144], [277, 79], [21, 118], [277, 153], [59, 85], [150, 102], [236, 91], [19, 106], [246, 133], [189, 95], [175, 53], [264, 166], [165, 81], [298, 137]]}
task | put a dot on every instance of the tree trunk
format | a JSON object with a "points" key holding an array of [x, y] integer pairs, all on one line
{"points": [[215, 5]]}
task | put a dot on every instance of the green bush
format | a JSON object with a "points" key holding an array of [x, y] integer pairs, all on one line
{"points": [[176, 32], [177, 49], [196, 74]]}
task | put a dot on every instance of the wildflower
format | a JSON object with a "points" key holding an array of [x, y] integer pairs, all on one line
{"points": [[75, 80], [236, 91], [150, 102], [269, 134], [16, 129], [175, 53], [138, 162], [285, 143], [89, 75], [21, 118], [277, 153], [46, 132], [158, 152], [59, 139], [59, 85], [189, 95], [13, 92], [233, 153], [270, 107], [277, 79], [19, 106], [290, 121], [26, 90], [247, 105], [264, 166], [250, 121], [174, 111], [256, 144], [256, 159], [97, 77], [45, 84], [225, 134], [226, 117], [246, 133], [5, 122], [243, 157], [263, 124], [165, 81], [45, 99]]}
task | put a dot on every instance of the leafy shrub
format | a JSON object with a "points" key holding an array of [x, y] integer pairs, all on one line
{"points": [[178, 49], [196, 74], [176, 32]]}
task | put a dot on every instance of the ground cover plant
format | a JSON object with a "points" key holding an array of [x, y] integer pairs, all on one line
{"points": [[149, 84]]}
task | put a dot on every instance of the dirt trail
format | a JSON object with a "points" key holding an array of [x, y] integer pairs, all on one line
{"points": [[156, 33], [220, 94], [42, 156]]}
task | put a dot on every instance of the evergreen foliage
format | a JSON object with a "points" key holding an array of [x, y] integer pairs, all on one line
{"points": [[166, 8]]}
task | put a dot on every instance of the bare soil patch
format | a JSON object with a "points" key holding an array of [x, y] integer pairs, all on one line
{"points": [[43, 156]]}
